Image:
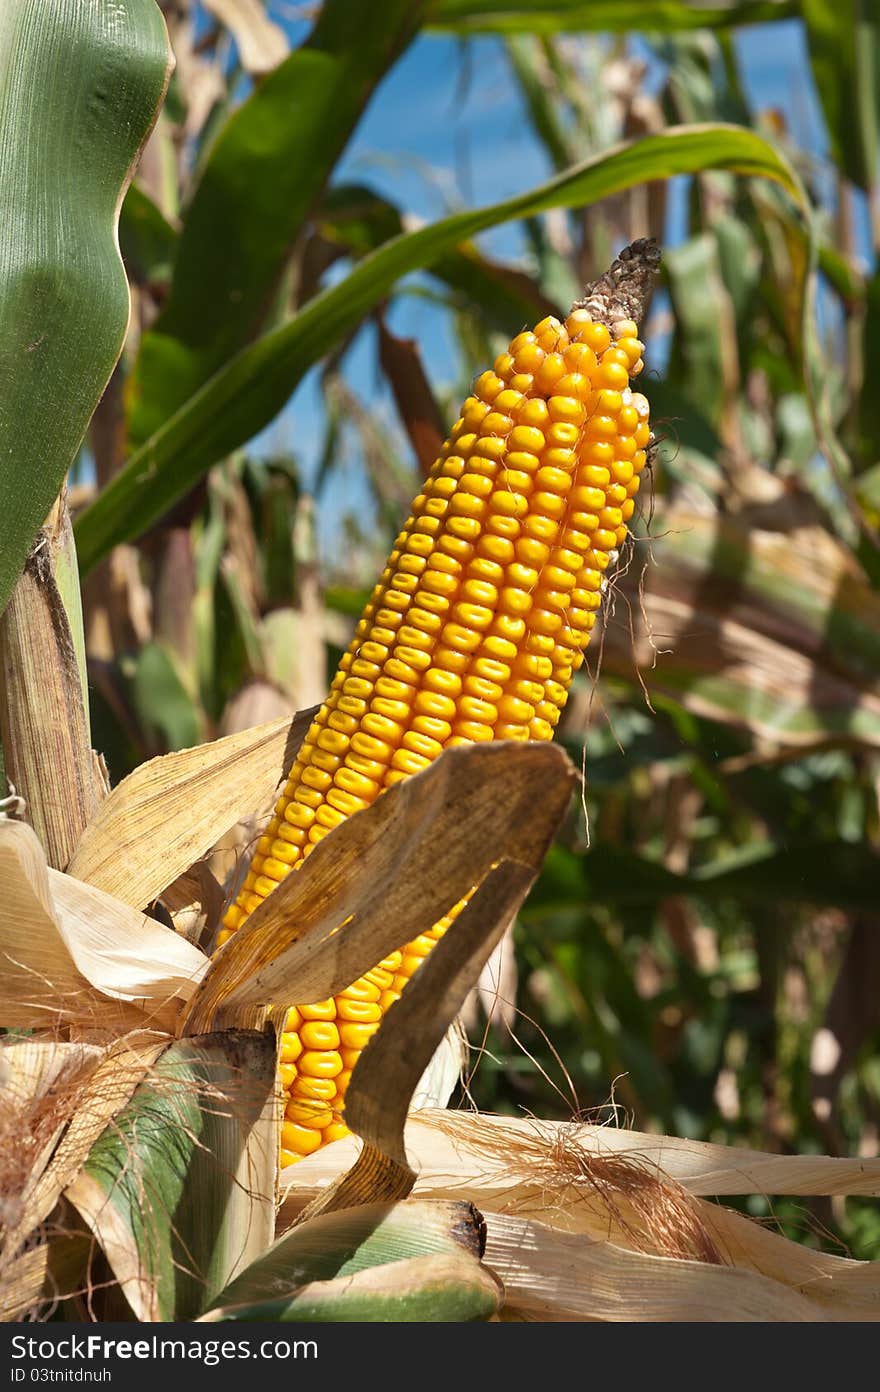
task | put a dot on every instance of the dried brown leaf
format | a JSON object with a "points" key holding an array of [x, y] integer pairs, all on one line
{"points": [[42, 1275], [43, 722], [41, 1083], [416, 406], [168, 813], [93, 1105], [389, 873], [386, 1075]]}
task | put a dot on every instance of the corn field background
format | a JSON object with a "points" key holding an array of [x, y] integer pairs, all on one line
{"points": [[701, 953]]}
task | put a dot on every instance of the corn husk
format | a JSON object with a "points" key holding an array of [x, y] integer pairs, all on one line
{"points": [[597, 1223], [72, 955], [180, 1192], [44, 724], [390, 872], [173, 809], [316, 1268]]}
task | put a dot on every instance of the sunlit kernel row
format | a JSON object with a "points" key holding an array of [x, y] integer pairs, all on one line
{"points": [[474, 631]]}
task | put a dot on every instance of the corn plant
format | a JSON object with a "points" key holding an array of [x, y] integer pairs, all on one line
{"points": [[141, 1064]]}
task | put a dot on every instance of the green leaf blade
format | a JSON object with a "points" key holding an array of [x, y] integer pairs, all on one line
{"points": [[251, 389], [79, 89], [260, 182], [179, 1191], [611, 16]]}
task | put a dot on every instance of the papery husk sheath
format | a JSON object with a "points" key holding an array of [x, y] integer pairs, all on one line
{"points": [[44, 724]]}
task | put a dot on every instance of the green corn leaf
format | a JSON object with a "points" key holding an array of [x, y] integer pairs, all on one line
{"points": [[844, 42], [358, 221], [179, 1192], [605, 16], [841, 874], [162, 700], [147, 240], [869, 402], [80, 85], [320, 1253], [696, 290], [250, 390], [447, 1288], [265, 170]]}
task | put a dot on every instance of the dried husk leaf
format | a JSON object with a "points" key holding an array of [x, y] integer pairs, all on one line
{"points": [[72, 955], [844, 1289], [630, 1190], [123, 953], [31, 1068], [383, 1082], [389, 1069], [43, 720], [444, 1142], [41, 1082], [495, 992], [195, 901], [552, 1275], [87, 1106], [42, 1275], [444, 1072], [389, 873], [167, 814]]}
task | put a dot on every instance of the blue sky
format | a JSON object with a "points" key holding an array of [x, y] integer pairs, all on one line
{"points": [[447, 129]]}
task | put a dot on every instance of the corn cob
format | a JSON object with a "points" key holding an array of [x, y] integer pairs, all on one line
{"points": [[474, 631]]}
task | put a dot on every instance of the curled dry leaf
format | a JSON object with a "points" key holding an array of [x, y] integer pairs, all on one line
{"points": [[40, 1276], [497, 1144], [389, 873], [387, 1072], [172, 810], [43, 717], [495, 991], [481, 815], [444, 1072], [71, 955], [41, 1083]]}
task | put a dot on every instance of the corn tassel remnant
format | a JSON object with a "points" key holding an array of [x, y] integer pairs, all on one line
{"points": [[474, 631]]}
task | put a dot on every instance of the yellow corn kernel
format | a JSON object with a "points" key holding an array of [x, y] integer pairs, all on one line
{"points": [[320, 1065], [299, 1140], [306, 1113], [291, 1048]]}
